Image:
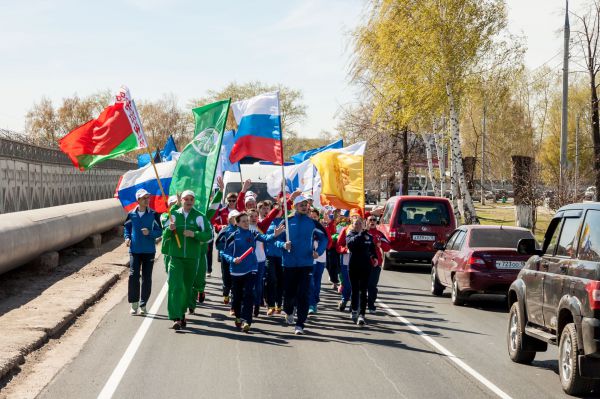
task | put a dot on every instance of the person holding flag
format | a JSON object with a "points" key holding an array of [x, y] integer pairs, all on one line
{"points": [[194, 228], [298, 260], [240, 253]]}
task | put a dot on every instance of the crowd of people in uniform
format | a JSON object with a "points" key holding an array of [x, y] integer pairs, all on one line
{"points": [[263, 263]]}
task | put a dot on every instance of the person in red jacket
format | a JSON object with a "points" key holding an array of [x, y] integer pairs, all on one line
{"points": [[342, 249], [221, 218], [382, 245]]}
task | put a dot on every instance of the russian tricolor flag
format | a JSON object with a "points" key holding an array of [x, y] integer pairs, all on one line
{"points": [[145, 178], [259, 128]]}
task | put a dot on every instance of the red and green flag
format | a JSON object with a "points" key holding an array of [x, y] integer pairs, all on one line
{"points": [[116, 131]]}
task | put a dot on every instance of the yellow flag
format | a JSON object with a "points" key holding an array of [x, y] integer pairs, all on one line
{"points": [[342, 176]]}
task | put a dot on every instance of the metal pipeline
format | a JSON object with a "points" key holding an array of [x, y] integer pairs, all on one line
{"points": [[26, 235]]}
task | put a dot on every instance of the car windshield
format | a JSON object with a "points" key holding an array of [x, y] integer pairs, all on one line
{"points": [[497, 238], [431, 213]]}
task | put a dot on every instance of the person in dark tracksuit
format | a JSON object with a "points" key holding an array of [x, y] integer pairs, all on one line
{"points": [[221, 243], [363, 256], [298, 261], [244, 270], [142, 228]]}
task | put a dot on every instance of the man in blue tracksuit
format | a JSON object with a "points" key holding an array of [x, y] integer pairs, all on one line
{"points": [[142, 228], [244, 271], [298, 260]]}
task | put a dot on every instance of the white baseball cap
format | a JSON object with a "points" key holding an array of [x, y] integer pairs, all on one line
{"points": [[140, 193], [188, 193], [172, 200], [232, 214], [299, 199], [250, 196]]}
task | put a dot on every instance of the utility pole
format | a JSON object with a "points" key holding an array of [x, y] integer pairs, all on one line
{"points": [[577, 158], [483, 153], [565, 100]]}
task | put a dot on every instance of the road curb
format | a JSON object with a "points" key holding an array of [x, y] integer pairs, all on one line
{"points": [[30, 326]]}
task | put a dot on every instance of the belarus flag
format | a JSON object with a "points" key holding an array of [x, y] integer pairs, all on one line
{"points": [[259, 129], [116, 131], [145, 178]]}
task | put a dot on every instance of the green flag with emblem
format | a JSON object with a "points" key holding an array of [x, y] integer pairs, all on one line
{"points": [[197, 164]]}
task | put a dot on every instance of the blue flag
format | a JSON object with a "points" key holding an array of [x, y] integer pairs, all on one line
{"points": [[165, 154], [226, 146], [304, 155]]}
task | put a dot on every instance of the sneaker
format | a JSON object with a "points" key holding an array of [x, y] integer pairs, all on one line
{"points": [[246, 327], [278, 310], [134, 308], [372, 311], [143, 310], [311, 310], [361, 320], [226, 299], [270, 312], [256, 310], [201, 297], [231, 312], [177, 325], [289, 319], [354, 316], [191, 311], [342, 305], [208, 274], [183, 322], [238, 323], [299, 330]]}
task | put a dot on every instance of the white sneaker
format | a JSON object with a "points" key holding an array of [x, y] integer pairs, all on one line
{"points": [[289, 319], [208, 274], [361, 320], [372, 311], [143, 310], [134, 308], [299, 330]]}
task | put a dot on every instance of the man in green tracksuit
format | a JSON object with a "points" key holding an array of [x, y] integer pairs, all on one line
{"points": [[192, 229], [197, 292]]}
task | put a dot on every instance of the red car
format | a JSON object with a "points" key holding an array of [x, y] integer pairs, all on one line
{"points": [[478, 260], [413, 224]]}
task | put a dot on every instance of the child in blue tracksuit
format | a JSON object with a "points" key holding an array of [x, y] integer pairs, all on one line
{"points": [[220, 244], [243, 271], [274, 271]]}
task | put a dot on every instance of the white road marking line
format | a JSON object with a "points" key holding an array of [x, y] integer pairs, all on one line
{"points": [[491, 386], [117, 375]]}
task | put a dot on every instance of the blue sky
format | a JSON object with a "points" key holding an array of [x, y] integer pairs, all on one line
{"points": [[56, 48]]}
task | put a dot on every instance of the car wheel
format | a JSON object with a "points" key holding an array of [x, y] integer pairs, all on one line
{"points": [[437, 288], [568, 367], [387, 263], [458, 298], [514, 337]]}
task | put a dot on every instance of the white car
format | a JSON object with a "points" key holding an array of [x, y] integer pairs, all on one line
{"points": [[590, 193]]}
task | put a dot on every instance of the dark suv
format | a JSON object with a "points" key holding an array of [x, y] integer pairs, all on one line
{"points": [[556, 298]]}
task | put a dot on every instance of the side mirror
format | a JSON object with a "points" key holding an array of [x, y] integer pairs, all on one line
{"points": [[439, 246], [527, 246]]}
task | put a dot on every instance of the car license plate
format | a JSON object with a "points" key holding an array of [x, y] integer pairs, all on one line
{"points": [[509, 264], [423, 237]]}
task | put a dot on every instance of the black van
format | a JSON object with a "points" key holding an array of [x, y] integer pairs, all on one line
{"points": [[556, 298]]}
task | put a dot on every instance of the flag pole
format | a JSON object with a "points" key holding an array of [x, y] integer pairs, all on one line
{"points": [[164, 196], [287, 230]]}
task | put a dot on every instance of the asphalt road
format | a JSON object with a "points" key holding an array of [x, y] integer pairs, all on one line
{"points": [[336, 359]]}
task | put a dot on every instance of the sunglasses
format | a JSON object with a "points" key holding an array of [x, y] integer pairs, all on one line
{"points": [[232, 200]]}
